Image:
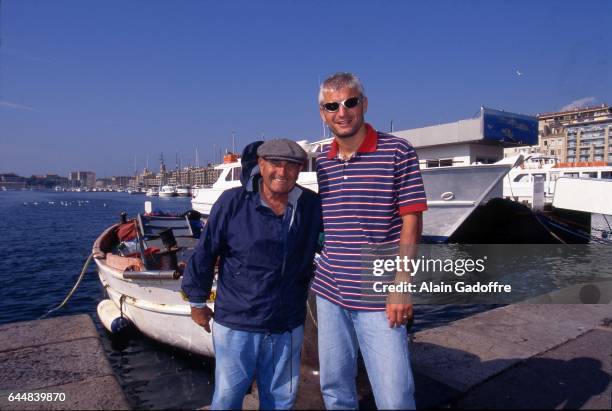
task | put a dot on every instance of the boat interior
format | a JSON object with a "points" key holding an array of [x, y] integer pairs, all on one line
{"points": [[150, 243]]}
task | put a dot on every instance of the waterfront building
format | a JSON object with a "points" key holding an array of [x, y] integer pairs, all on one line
{"points": [[122, 181], [574, 136], [85, 179], [48, 181], [200, 176], [12, 181], [148, 179], [103, 182], [204, 177]]}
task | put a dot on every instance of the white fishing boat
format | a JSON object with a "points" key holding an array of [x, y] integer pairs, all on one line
{"points": [[183, 190], [152, 192], [167, 191], [147, 292], [134, 191]]}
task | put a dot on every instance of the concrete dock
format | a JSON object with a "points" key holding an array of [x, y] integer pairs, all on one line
{"points": [[56, 355], [518, 356]]}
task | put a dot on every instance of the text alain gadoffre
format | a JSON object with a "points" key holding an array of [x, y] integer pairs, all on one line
{"points": [[458, 267]]}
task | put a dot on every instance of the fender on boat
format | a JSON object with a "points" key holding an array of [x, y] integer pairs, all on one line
{"points": [[111, 318]]}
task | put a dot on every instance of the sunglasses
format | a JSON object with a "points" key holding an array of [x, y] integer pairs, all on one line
{"points": [[335, 105]]}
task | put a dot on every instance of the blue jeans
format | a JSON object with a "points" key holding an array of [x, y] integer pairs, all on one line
{"points": [[273, 359], [384, 350]]}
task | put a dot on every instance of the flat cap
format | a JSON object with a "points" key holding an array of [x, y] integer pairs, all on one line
{"points": [[282, 149]]}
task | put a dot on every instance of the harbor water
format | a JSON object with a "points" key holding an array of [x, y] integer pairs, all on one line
{"points": [[47, 236]]}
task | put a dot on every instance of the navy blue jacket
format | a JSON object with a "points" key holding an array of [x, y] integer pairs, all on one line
{"points": [[266, 261]]}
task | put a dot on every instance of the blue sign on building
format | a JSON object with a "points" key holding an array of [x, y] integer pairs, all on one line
{"points": [[509, 128]]}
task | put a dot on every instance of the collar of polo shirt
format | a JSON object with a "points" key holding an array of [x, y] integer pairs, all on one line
{"points": [[367, 146]]}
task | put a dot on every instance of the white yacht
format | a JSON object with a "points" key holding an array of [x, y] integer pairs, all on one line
{"points": [[521, 180], [152, 192], [167, 191], [183, 190]]}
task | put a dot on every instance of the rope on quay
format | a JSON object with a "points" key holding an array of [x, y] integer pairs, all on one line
{"points": [[83, 271]]}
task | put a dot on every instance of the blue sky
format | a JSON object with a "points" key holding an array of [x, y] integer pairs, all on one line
{"points": [[88, 85]]}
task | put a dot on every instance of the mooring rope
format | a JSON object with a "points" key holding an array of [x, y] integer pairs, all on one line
{"points": [[83, 271]]}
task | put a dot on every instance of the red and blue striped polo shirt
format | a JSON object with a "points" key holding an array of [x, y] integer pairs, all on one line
{"points": [[363, 201]]}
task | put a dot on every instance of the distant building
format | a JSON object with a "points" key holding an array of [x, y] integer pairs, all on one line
{"points": [[12, 181], [85, 179], [48, 181], [203, 177], [580, 135], [122, 181], [103, 182], [200, 176], [148, 179]]}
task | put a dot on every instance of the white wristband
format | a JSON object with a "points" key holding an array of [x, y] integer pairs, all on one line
{"points": [[197, 305]]}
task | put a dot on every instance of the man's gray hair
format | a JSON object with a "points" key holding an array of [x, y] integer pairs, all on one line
{"points": [[339, 81]]}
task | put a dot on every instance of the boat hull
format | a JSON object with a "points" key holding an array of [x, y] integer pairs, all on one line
{"points": [[453, 193], [157, 309]]}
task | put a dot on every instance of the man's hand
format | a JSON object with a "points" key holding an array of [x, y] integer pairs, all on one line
{"points": [[399, 304], [202, 316], [399, 314]]}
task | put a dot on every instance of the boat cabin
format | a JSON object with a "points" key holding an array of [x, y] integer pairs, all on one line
{"points": [[474, 141]]}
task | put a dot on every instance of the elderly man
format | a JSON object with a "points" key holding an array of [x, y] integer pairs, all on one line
{"points": [[265, 234], [372, 195]]}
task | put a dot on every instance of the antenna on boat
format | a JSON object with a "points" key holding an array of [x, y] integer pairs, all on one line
{"points": [[197, 164], [391, 130], [233, 142]]}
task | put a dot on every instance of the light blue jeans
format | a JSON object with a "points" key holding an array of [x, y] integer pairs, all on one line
{"points": [[272, 359], [384, 350]]}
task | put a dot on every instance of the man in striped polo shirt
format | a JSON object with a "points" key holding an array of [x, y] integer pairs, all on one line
{"points": [[373, 196]]}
